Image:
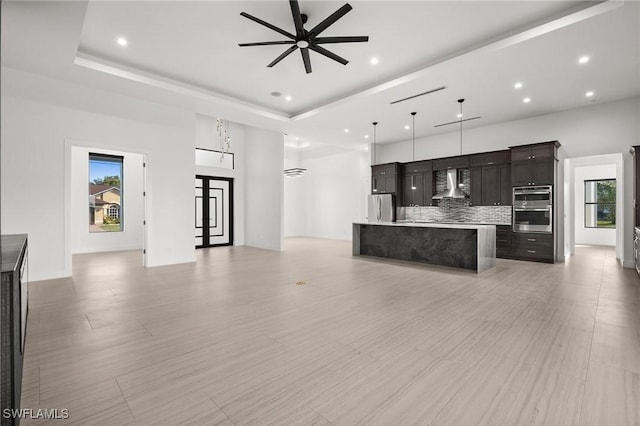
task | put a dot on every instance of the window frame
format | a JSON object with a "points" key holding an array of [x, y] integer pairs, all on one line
{"points": [[115, 159], [598, 203]]}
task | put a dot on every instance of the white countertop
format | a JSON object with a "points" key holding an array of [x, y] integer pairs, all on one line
{"points": [[430, 225]]}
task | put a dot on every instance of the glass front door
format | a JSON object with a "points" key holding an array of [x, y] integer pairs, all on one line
{"points": [[214, 211]]}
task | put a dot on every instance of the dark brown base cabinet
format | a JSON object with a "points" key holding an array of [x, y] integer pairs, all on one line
{"points": [[524, 246], [636, 248], [635, 151], [503, 241], [14, 298], [533, 246]]}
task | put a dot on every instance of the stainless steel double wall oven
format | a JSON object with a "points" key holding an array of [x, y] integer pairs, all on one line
{"points": [[533, 209]]}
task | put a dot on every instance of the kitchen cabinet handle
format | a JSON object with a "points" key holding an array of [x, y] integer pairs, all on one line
{"points": [[533, 157], [531, 239], [490, 162], [529, 158], [531, 251]]}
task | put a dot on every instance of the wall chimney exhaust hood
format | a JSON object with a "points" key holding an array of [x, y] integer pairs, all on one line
{"points": [[453, 190]]}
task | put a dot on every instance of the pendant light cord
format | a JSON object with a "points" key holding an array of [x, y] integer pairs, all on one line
{"points": [[413, 146], [460, 101]]}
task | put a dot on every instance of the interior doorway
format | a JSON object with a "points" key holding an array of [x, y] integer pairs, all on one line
{"points": [[594, 205], [214, 211]]}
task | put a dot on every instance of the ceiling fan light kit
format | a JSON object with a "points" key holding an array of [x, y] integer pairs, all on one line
{"points": [[305, 40]]}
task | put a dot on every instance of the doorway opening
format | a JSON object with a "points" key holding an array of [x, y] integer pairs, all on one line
{"points": [[105, 191], [213, 211], [594, 218]]}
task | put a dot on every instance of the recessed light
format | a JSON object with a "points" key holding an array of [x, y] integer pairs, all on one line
{"points": [[366, 147], [276, 94], [526, 100], [518, 85], [583, 59], [366, 136], [287, 98], [589, 94], [374, 61], [346, 130], [407, 127], [297, 138], [459, 115], [122, 41]]}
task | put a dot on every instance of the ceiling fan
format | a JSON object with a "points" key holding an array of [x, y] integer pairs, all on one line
{"points": [[304, 39]]}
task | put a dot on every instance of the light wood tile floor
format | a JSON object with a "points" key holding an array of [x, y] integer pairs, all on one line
{"points": [[233, 339]]}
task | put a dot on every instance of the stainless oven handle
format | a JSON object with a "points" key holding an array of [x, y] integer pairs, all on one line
{"points": [[532, 210], [520, 192]]}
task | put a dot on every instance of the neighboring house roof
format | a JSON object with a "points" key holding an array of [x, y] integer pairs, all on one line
{"points": [[101, 203], [99, 189]]}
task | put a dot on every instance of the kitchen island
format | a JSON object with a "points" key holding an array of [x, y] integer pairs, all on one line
{"points": [[457, 245]]}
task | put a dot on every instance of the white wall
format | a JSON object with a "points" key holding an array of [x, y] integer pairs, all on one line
{"points": [[83, 241], [329, 197], [264, 188], [42, 119], [207, 138], [583, 235], [593, 130]]}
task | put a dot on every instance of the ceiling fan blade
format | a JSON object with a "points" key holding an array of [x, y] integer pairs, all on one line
{"points": [[330, 20], [305, 59], [266, 43], [328, 54], [297, 18], [349, 39], [268, 25], [284, 55]]}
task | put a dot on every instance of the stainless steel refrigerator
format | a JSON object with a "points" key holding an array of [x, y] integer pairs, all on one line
{"points": [[382, 208]]}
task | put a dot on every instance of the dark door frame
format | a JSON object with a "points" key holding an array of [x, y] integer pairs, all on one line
{"points": [[205, 210]]}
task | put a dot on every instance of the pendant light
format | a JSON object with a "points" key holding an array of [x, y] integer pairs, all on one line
{"points": [[413, 148], [296, 171], [460, 101], [375, 123]]}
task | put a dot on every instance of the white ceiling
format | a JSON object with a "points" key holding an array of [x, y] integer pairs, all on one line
{"points": [[186, 53]]}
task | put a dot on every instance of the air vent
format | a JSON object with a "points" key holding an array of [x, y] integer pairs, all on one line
{"points": [[419, 94], [457, 121]]}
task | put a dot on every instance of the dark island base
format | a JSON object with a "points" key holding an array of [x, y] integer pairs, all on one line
{"points": [[456, 248]]}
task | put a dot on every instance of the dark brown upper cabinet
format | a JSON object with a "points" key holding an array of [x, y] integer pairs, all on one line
{"points": [[417, 184], [534, 164], [459, 162], [384, 179], [490, 158], [491, 185]]}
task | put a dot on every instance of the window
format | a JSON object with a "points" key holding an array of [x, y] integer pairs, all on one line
{"points": [[105, 193], [600, 203], [211, 158], [114, 212]]}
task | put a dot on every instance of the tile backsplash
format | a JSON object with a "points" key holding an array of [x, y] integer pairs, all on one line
{"points": [[454, 210]]}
